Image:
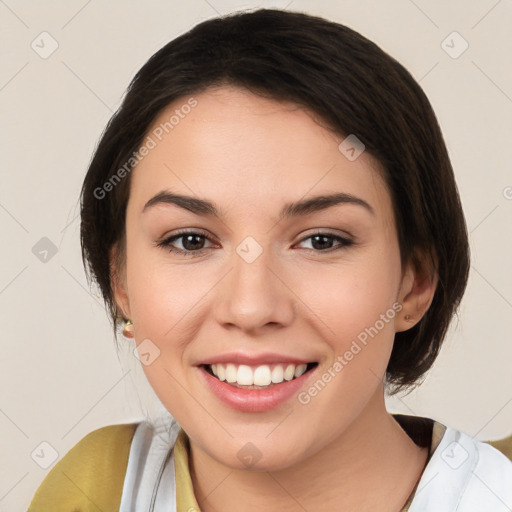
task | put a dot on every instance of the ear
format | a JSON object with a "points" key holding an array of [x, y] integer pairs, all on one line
{"points": [[419, 283], [118, 280]]}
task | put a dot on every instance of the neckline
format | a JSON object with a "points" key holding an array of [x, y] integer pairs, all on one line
{"points": [[424, 432]]}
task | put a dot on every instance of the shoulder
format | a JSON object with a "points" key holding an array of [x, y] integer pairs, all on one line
{"points": [[489, 477], [90, 474], [495, 456], [465, 474]]}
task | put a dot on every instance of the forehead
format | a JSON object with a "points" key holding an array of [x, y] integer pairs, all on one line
{"points": [[242, 150]]}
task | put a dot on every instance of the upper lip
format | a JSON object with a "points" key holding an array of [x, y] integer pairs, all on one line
{"points": [[253, 359]]}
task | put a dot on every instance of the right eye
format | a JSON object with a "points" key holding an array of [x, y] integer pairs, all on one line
{"points": [[189, 241]]}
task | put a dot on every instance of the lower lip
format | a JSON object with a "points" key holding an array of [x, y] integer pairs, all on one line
{"points": [[255, 400]]}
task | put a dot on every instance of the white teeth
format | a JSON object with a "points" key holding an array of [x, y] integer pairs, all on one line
{"points": [[289, 372], [262, 375], [221, 372], [300, 370], [277, 374], [244, 375], [231, 373]]}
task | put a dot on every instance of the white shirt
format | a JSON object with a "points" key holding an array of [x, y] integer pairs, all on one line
{"points": [[462, 475]]}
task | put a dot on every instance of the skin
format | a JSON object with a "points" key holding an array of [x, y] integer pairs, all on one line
{"points": [[250, 155]]}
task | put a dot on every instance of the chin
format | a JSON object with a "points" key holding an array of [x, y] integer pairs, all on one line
{"points": [[257, 456]]}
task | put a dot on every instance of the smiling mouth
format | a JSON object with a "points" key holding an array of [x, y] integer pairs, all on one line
{"points": [[257, 377]]}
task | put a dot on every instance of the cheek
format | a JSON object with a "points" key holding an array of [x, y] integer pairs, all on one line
{"points": [[351, 299], [162, 300], [161, 294], [353, 310]]}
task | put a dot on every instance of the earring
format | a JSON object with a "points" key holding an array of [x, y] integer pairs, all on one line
{"points": [[128, 329]]}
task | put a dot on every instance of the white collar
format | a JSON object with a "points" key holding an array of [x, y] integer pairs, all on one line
{"points": [[464, 475], [150, 481]]}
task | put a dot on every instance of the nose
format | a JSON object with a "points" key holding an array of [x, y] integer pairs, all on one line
{"points": [[254, 295]]}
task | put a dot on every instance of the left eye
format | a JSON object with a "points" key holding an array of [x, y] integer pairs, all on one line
{"points": [[319, 239]]}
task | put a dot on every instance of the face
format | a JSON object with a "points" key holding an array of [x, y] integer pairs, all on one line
{"points": [[253, 289]]}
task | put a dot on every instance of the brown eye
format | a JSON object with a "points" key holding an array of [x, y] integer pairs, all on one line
{"points": [[191, 241], [322, 242]]}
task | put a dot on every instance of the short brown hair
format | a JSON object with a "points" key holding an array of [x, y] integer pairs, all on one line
{"points": [[355, 88]]}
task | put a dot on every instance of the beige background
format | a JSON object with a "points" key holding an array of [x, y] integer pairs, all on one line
{"points": [[60, 374]]}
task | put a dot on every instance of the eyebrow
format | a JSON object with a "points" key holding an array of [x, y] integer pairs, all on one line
{"points": [[294, 209]]}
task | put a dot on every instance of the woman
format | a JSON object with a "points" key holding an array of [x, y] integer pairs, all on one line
{"points": [[273, 216]]}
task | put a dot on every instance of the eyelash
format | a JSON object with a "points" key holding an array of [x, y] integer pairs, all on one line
{"points": [[166, 244]]}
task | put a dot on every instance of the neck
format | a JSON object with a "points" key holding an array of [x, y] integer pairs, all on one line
{"points": [[373, 465]]}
